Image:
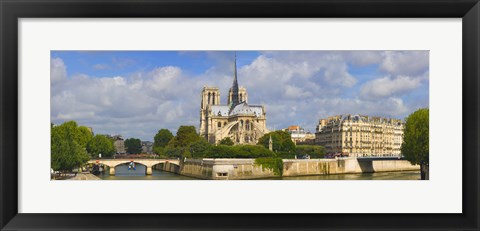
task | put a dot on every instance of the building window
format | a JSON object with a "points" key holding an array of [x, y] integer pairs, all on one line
{"points": [[219, 124], [222, 174]]}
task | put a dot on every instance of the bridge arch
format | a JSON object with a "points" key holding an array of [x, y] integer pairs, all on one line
{"points": [[138, 166], [148, 163]]}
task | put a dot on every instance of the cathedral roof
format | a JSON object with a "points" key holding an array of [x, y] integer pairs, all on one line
{"points": [[240, 109], [245, 109], [220, 110]]}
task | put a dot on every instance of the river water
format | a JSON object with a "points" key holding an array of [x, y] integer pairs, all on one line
{"points": [[122, 173]]}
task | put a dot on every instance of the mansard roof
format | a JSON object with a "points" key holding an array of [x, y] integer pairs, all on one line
{"points": [[354, 118]]}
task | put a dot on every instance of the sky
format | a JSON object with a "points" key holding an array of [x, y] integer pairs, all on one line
{"points": [[136, 93]]}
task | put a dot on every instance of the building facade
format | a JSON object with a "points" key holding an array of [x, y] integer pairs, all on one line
{"points": [[360, 135], [119, 144], [147, 147], [299, 135], [242, 122]]}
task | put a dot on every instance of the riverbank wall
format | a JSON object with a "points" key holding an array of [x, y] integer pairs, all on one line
{"points": [[238, 169], [219, 169], [343, 166]]}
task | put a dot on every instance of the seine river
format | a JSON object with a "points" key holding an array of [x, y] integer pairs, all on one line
{"points": [[122, 173]]}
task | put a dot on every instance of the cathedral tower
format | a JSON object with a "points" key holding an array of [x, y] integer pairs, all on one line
{"points": [[210, 96]]}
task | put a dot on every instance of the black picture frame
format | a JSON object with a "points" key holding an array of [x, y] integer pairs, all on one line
{"points": [[12, 10]]}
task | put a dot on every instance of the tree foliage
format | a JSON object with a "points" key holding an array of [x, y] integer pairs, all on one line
{"points": [[83, 135], [272, 163], [185, 136], [179, 145], [133, 145], [314, 151], [226, 141], [68, 149], [282, 142], [199, 148], [100, 144], [415, 137], [203, 149], [162, 138], [237, 151]]}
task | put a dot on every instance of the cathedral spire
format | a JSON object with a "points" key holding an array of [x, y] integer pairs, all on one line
{"points": [[235, 100]]}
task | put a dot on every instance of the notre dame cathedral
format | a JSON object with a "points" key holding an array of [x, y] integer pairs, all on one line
{"points": [[243, 123]]}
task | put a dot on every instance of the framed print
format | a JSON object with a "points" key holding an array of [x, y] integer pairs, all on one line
{"points": [[294, 115]]}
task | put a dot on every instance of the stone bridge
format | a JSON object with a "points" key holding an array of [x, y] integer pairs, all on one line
{"points": [[149, 163]]}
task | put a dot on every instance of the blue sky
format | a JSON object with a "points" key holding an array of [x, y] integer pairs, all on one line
{"points": [[135, 93]]}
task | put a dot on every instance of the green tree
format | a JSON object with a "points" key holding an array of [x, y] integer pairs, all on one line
{"points": [[84, 135], [162, 138], [133, 145], [416, 140], [80, 134], [238, 151], [226, 141], [67, 147], [282, 143], [199, 148], [171, 151], [159, 150], [314, 151], [100, 144], [185, 136], [179, 145]]}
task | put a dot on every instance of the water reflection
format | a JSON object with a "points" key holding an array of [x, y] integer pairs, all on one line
{"points": [[408, 175], [140, 175], [122, 173], [122, 170]]}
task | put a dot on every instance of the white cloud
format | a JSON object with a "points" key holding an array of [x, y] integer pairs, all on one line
{"points": [[163, 78], [101, 67], [363, 58], [58, 70], [405, 62], [388, 86]]}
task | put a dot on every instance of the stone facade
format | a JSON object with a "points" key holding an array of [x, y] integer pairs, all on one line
{"points": [[242, 122], [118, 143], [360, 135], [299, 135], [147, 147]]}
